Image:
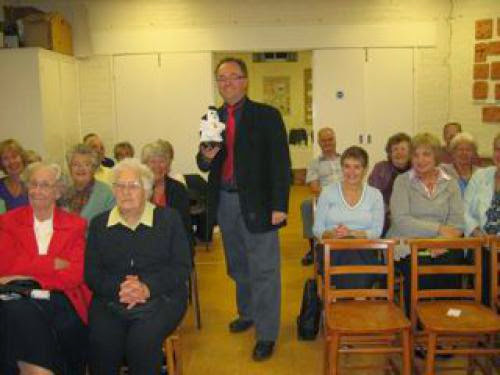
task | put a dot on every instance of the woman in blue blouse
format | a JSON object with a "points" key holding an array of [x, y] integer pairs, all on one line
{"points": [[351, 209], [13, 160]]}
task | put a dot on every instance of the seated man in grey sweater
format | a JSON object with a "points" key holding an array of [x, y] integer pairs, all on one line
{"points": [[321, 171]]}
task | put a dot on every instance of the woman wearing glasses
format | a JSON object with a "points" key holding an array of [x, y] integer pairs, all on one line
{"points": [[86, 196], [137, 264], [43, 246]]}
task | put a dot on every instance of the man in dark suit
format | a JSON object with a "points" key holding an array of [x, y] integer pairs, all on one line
{"points": [[248, 187]]}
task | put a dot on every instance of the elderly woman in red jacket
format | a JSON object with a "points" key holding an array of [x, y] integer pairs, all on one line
{"points": [[44, 245]]}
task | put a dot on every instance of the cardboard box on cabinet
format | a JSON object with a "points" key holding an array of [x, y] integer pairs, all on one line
{"points": [[50, 31]]}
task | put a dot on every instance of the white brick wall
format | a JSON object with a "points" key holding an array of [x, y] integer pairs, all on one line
{"points": [[443, 73], [96, 98]]}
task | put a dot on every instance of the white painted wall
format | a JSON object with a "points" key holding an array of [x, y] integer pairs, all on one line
{"points": [[163, 96]]}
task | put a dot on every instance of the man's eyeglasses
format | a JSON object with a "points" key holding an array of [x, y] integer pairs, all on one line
{"points": [[229, 78], [130, 186]]}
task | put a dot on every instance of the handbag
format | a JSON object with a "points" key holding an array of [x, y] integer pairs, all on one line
{"points": [[22, 287], [310, 312]]}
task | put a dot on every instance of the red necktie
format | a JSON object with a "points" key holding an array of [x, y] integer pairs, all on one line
{"points": [[227, 171]]}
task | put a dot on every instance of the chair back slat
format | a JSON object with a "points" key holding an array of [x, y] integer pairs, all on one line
{"points": [[345, 270], [446, 293], [387, 246], [358, 293], [447, 270], [453, 244]]}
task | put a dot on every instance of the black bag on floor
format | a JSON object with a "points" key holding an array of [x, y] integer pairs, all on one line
{"points": [[310, 312]]}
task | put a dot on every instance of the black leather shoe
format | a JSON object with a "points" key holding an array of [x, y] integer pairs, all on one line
{"points": [[308, 259], [240, 325], [263, 350]]}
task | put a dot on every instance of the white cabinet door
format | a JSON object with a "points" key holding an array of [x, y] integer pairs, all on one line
{"points": [[388, 97], [20, 106], [70, 103], [51, 108], [365, 94], [163, 96], [338, 94]]}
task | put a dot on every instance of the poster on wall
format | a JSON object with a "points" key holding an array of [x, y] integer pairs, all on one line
{"points": [[277, 93]]}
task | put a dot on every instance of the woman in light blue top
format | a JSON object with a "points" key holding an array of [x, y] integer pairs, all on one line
{"points": [[480, 195], [482, 208], [351, 209]]}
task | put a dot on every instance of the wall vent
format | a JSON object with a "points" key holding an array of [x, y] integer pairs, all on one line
{"points": [[275, 57]]}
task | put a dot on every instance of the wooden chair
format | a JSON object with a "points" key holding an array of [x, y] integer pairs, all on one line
{"points": [[494, 245], [467, 334], [173, 355], [398, 279], [374, 325]]}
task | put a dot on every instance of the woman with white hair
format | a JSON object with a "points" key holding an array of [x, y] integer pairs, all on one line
{"points": [[42, 247], [137, 264], [86, 196], [463, 150], [167, 191]]}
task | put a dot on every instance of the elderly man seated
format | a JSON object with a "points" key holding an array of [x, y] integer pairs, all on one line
{"points": [[321, 171]]}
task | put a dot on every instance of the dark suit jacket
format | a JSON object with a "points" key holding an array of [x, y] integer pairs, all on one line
{"points": [[177, 198], [261, 167]]}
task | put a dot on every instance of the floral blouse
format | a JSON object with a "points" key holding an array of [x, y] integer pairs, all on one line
{"points": [[492, 225]]}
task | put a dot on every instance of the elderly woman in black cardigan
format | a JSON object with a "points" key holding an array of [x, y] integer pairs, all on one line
{"points": [[137, 264]]}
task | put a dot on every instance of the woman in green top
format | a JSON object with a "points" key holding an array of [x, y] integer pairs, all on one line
{"points": [[85, 196]]}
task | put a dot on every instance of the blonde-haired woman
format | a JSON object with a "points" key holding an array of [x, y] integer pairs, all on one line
{"points": [[13, 160], [426, 202]]}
